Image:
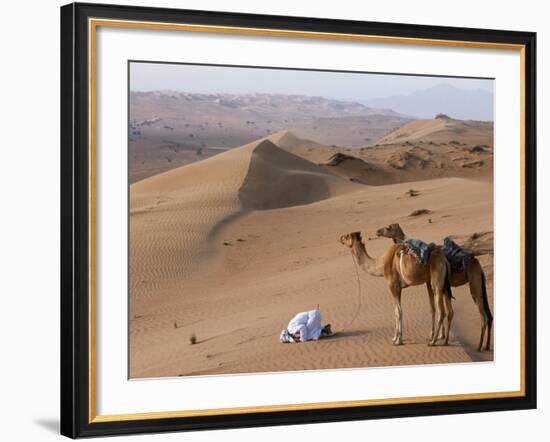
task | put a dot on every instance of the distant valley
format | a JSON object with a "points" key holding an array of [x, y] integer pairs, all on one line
{"points": [[170, 129]]}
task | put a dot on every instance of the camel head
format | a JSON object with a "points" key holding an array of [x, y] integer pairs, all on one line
{"points": [[349, 239], [392, 231]]}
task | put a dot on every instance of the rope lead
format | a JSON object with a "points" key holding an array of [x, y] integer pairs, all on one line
{"points": [[358, 295]]}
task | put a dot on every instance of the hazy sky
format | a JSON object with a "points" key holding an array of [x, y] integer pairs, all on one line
{"points": [[341, 86]]}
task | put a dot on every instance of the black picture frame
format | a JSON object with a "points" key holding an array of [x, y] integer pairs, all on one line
{"points": [[75, 221]]}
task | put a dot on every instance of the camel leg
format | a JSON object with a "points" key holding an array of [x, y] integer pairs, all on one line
{"points": [[439, 316], [398, 337], [432, 309], [449, 313], [489, 327], [481, 334], [442, 330], [486, 326], [475, 291]]}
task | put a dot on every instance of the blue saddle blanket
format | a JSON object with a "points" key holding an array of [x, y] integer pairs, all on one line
{"points": [[419, 249], [456, 255]]}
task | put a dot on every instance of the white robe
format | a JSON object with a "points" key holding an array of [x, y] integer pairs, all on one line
{"points": [[307, 323]]}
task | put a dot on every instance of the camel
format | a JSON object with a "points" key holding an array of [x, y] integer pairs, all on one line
{"points": [[473, 275], [401, 271]]}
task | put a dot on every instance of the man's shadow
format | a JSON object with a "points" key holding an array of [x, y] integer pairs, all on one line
{"points": [[347, 334]]}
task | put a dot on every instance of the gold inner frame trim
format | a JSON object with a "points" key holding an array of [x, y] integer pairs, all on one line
{"points": [[93, 24], [298, 34]]}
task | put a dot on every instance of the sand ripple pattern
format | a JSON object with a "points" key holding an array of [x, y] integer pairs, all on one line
{"points": [[172, 215], [177, 215]]}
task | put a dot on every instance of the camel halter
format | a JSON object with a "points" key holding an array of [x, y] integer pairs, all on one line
{"points": [[358, 294]]}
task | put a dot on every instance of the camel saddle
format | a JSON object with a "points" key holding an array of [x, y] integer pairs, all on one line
{"points": [[419, 249], [456, 255]]}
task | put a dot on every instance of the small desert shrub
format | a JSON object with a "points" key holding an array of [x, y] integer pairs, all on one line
{"points": [[478, 148], [419, 212], [444, 116], [192, 339]]}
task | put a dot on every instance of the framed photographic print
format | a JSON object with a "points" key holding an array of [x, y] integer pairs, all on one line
{"points": [[274, 220]]}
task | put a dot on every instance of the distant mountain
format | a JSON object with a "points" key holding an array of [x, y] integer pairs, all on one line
{"points": [[260, 105], [443, 98]]}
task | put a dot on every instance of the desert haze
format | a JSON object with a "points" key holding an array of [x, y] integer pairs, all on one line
{"points": [[227, 244]]}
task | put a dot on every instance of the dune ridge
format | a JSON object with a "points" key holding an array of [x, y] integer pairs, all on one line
{"points": [[286, 139], [277, 179], [439, 129]]}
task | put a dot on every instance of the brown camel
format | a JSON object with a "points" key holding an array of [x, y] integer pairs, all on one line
{"points": [[473, 275], [402, 270]]}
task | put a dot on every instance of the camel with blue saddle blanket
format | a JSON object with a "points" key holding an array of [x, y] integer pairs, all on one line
{"points": [[401, 270], [465, 268]]}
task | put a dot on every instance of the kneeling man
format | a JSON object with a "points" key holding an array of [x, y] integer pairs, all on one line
{"points": [[305, 326]]}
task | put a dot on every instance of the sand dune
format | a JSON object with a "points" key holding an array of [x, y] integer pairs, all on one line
{"points": [[358, 170], [405, 161], [229, 248], [305, 148], [172, 216], [278, 179], [440, 130], [175, 217], [287, 140]]}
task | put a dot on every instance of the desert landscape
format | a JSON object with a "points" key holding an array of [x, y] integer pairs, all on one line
{"points": [[171, 128], [228, 242]]}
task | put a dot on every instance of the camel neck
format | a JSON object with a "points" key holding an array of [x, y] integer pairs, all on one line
{"points": [[398, 239], [364, 261]]}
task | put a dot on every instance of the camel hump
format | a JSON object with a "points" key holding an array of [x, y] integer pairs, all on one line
{"points": [[457, 256], [419, 249]]}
